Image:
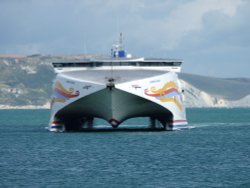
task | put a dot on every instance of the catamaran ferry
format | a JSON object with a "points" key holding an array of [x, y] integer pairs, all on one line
{"points": [[115, 89]]}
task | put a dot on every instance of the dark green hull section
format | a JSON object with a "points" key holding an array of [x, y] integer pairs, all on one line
{"points": [[114, 106]]}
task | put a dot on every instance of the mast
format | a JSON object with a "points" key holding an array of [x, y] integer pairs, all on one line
{"points": [[120, 42], [117, 51]]}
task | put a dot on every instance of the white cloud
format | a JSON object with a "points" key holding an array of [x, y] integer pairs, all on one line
{"points": [[188, 17], [185, 28]]}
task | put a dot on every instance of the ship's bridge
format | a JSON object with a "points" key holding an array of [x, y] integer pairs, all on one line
{"points": [[120, 63]]}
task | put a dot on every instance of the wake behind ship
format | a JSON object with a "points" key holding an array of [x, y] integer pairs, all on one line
{"points": [[115, 89]]}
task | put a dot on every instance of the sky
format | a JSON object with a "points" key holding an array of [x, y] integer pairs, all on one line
{"points": [[212, 37]]}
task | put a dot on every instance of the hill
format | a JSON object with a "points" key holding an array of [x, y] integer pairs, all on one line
{"points": [[203, 91]]}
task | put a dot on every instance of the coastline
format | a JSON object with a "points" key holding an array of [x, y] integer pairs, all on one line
{"points": [[25, 107], [47, 107]]}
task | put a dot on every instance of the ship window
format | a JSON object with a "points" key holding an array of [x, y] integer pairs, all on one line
{"points": [[152, 63], [126, 63], [86, 64], [176, 63], [57, 64], [98, 64]]}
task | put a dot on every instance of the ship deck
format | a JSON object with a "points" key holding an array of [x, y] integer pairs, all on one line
{"points": [[119, 76]]}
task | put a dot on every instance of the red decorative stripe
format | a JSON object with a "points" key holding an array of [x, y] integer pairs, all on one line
{"points": [[56, 122], [180, 121], [114, 120]]}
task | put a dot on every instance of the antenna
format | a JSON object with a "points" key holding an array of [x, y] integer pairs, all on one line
{"points": [[84, 44], [120, 42], [84, 48]]}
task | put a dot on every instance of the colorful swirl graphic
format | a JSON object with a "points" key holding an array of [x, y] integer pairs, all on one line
{"points": [[168, 93], [62, 94]]}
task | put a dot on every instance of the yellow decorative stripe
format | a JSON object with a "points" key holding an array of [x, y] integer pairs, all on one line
{"points": [[168, 93], [60, 87], [164, 88], [174, 100]]}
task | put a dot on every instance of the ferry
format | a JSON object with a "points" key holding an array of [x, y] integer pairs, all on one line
{"points": [[116, 88]]}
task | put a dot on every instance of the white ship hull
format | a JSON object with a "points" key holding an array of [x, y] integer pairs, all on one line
{"points": [[115, 94]]}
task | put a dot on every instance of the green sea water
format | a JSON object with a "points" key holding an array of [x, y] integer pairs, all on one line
{"points": [[214, 153]]}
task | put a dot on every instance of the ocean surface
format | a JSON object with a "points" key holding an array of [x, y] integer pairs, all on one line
{"points": [[214, 152]]}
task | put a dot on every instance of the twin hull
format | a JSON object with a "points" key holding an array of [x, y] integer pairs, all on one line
{"points": [[79, 97]]}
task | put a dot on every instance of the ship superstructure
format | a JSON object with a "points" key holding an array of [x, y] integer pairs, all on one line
{"points": [[115, 89]]}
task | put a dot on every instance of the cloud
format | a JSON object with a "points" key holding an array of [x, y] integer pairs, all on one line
{"points": [[223, 43], [188, 17], [192, 30]]}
